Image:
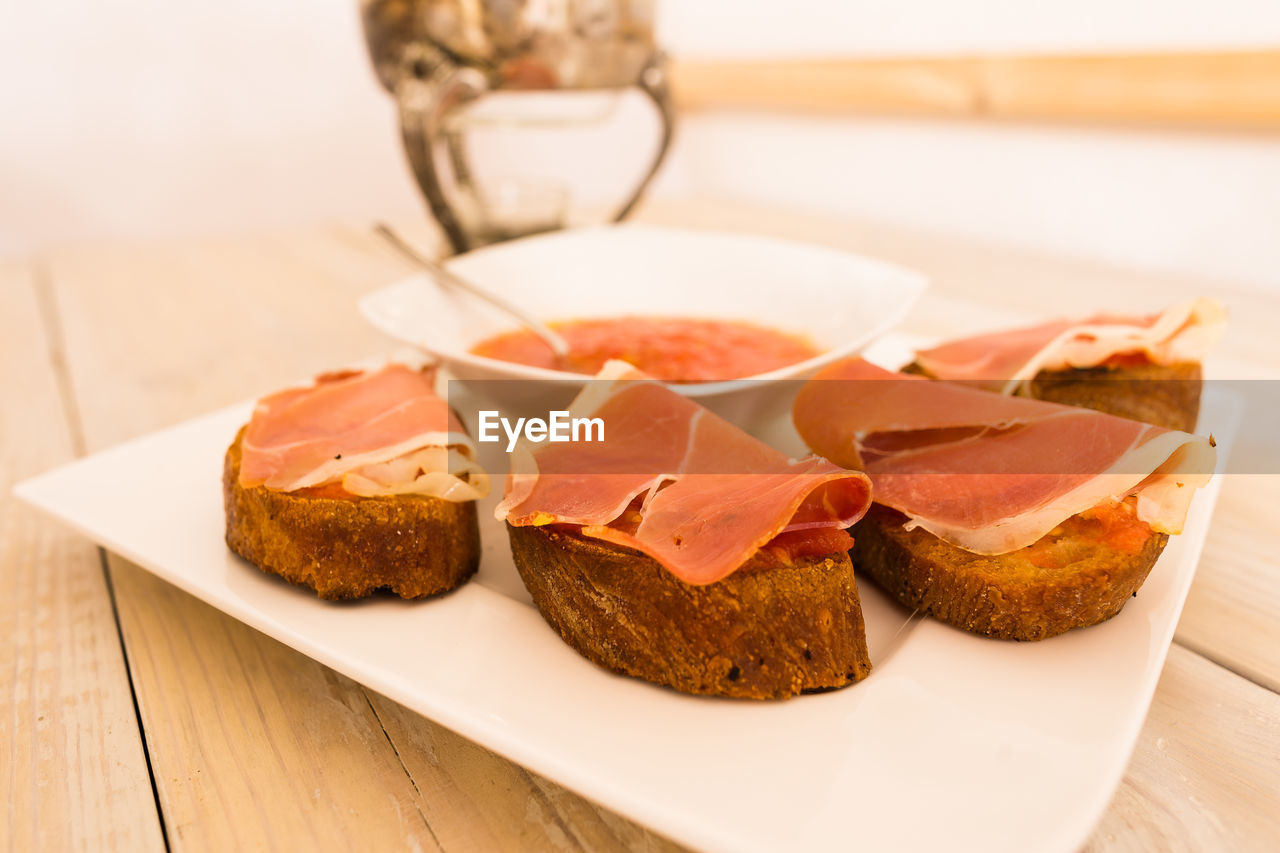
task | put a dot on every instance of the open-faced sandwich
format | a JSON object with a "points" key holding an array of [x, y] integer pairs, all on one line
{"points": [[1005, 516], [363, 481], [685, 552], [1145, 368]]}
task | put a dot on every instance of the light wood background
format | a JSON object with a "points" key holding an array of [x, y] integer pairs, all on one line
{"points": [[1230, 90], [135, 716]]}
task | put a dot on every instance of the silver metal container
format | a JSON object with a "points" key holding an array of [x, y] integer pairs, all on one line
{"points": [[438, 58]]}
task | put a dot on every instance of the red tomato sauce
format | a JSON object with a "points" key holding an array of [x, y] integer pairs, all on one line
{"points": [[1112, 524], [1117, 524], [817, 542], [675, 349]]}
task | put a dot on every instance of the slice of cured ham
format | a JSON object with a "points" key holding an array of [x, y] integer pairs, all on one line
{"points": [[376, 432], [1005, 360], [676, 482], [988, 473]]}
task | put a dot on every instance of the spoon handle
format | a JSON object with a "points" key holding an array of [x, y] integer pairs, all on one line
{"points": [[443, 276]]}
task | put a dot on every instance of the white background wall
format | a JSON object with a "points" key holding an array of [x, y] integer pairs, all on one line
{"points": [[142, 118]]}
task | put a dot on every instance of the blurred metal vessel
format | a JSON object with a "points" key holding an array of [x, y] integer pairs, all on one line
{"points": [[439, 57]]}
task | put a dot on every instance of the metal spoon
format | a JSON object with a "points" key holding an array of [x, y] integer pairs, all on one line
{"points": [[443, 276]]}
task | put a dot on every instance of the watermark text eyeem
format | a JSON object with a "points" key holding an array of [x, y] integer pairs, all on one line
{"points": [[558, 426]]}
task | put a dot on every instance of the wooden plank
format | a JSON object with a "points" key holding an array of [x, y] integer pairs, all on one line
{"points": [[1234, 90], [160, 333], [255, 746], [1231, 613], [1204, 775], [72, 769], [251, 743], [935, 87], [478, 801], [264, 746], [1219, 90]]}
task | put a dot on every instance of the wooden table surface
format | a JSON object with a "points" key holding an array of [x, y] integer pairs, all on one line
{"points": [[135, 717]]}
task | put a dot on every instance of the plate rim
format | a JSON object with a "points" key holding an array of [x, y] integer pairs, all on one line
{"points": [[613, 794]]}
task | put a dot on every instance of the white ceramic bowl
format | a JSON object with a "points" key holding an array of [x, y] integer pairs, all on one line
{"points": [[840, 301]]}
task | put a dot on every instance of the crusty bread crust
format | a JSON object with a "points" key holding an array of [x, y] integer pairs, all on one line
{"points": [[1164, 395], [1008, 596], [349, 547], [770, 630], [1005, 596]]}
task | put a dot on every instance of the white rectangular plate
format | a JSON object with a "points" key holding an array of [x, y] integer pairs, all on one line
{"points": [[954, 741]]}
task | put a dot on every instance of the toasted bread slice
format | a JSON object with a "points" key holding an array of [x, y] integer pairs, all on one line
{"points": [[344, 546], [772, 629], [1071, 578], [1164, 395]]}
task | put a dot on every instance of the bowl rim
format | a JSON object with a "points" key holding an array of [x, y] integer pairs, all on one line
{"points": [[913, 283]]}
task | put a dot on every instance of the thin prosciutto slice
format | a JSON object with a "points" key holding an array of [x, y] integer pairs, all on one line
{"points": [[709, 494], [1005, 360], [379, 432], [989, 473]]}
